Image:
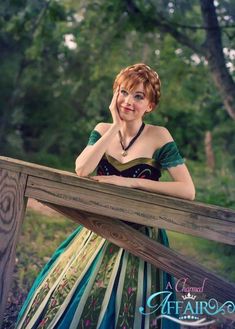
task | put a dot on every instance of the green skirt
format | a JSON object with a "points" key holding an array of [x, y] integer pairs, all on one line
{"points": [[92, 283]]}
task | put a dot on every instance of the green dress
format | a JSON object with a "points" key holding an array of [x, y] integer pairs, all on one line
{"points": [[90, 282]]}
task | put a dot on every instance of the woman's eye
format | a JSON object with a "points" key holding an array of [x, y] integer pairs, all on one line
{"points": [[124, 92], [139, 97]]}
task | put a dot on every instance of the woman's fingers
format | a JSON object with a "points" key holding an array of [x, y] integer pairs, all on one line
{"points": [[114, 99], [113, 179], [114, 107]]}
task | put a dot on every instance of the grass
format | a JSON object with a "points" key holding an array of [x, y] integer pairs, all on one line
{"points": [[39, 238], [210, 254], [43, 234]]}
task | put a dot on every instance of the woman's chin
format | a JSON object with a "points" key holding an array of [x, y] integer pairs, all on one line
{"points": [[124, 116]]}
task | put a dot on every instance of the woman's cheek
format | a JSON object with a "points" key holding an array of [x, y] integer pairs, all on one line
{"points": [[119, 102], [119, 99]]}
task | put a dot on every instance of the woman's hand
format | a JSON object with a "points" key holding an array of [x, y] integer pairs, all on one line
{"points": [[113, 179], [114, 108]]}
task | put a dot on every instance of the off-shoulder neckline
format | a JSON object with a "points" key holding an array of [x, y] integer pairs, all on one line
{"points": [[153, 158], [128, 162], [140, 158]]}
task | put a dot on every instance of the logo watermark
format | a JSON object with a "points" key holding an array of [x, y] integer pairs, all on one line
{"points": [[188, 311]]}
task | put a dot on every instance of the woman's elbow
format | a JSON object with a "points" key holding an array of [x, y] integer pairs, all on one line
{"points": [[79, 168], [81, 172], [191, 193]]}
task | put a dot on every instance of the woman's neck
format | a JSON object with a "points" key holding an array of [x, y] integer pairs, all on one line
{"points": [[130, 129]]}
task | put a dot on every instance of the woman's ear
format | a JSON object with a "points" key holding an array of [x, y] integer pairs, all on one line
{"points": [[150, 107]]}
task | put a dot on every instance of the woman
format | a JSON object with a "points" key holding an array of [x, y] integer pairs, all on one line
{"points": [[90, 282]]}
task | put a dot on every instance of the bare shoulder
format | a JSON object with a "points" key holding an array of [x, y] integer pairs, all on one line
{"points": [[102, 127], [160, 135]]}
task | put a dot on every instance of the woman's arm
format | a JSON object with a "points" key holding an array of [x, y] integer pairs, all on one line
{"points": [[88, 160], [181, 187]]}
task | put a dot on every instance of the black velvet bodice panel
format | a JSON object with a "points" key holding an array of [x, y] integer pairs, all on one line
{"points": [[146, 168]]}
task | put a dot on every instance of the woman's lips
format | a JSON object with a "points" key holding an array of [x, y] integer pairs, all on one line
{"points": [[127, 109]]}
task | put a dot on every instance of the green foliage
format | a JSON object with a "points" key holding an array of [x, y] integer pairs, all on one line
{"points": [[52, 92]]}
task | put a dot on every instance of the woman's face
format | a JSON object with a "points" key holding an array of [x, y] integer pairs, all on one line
{"points": [[133, 104]]}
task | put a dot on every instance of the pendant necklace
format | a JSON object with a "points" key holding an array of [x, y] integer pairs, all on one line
{"points": [[124, 149]]}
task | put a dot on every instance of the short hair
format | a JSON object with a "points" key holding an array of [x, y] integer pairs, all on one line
{"points": [[135, 74]]}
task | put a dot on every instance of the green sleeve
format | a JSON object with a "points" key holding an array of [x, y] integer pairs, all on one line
{"points": [[94, 137], [168, 155]]}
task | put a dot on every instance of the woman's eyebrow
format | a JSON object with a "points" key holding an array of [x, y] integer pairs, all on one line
{"points": [[140, 92]]}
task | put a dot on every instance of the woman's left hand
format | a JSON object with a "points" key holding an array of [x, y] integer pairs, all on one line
{"points": [[113, 179]]}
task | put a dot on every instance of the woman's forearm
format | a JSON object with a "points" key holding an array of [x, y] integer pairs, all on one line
{"points": [[88, 160], [177, 189]]}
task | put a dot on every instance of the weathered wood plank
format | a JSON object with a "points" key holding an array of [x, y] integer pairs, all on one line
{"points": [[66, 189], [12, 209], [153, 252], [126, 208], [152, 198]]}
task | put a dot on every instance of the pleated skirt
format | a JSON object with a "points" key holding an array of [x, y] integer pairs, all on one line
{"points": [[91, 283]]}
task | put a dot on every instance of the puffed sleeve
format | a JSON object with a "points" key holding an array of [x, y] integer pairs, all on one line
{"points": [[168, 155], [94, 137]]}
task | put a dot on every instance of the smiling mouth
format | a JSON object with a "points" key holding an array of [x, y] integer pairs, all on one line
{"points": [[128, 109]]}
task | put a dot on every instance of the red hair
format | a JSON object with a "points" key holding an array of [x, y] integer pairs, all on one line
{"points": [[133, 75]]}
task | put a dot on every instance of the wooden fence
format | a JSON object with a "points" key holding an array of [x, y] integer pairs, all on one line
{"points": [[104, 209]]}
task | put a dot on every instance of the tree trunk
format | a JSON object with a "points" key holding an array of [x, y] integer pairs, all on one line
{"points": [[210, 158], [215, 57]]}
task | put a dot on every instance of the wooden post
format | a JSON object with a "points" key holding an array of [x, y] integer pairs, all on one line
{"points": [[12, 210]]}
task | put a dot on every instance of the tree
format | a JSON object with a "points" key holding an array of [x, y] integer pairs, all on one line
{"points": [[53, 95], [154, 17], [36, 112]]}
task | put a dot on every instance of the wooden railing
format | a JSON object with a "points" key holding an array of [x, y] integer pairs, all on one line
{"points": [[105, 209]]}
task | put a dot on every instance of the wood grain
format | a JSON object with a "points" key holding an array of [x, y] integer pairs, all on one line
{"points": [[151, 198], [12, 210], [152, 251], [87, 201], [128, 208]]}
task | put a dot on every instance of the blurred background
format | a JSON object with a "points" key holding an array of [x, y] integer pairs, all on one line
{"points": [[58, 60]]}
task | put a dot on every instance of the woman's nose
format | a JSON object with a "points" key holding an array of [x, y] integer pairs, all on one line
{"points": [[129, 99]]}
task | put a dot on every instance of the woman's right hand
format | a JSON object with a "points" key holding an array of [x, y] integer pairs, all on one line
{"points": [[114, 108]]}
